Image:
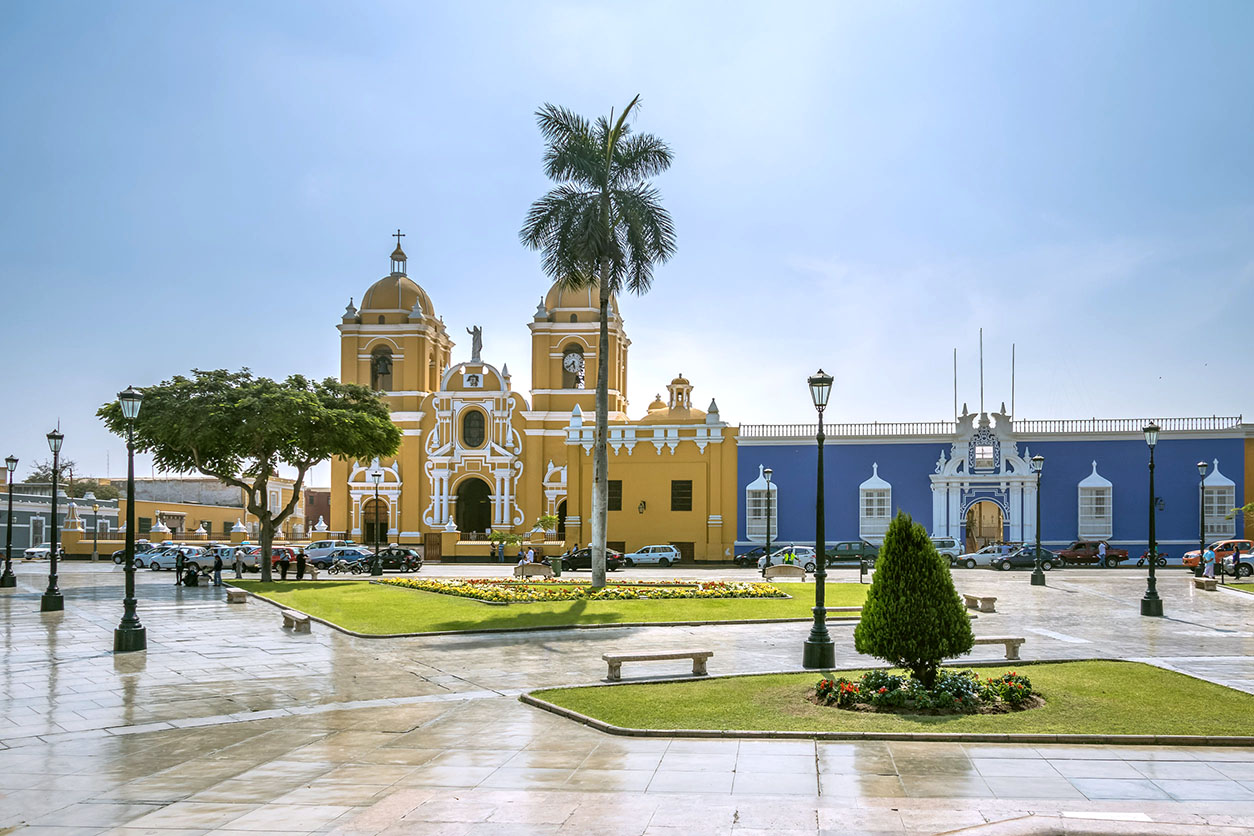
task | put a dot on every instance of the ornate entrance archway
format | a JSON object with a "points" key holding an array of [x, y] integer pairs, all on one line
{"points": [[561, 520], [474, 506], [985, 525]]}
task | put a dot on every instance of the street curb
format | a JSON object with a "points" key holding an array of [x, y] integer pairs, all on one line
{"points": [[528, 698]]}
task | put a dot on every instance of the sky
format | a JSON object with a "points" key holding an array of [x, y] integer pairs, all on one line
{"points": [[860, 187]]}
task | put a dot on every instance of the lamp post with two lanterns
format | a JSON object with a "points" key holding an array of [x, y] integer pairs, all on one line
{"points": [[1038, 464], [130, 633], [8, 580], [52, 601], [1151, 604], [820, 650]]}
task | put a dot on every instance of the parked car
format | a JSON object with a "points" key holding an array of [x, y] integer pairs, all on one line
{"points": [[582, 559], [141, 547], [167, 558], [42, 552], [803, 556], [750, 558], [948, 546], [1229, 565], [853, 551], [350, 553], [655, 555], [322, 548], [970, 559], [400, 558], [1024, 557], [1223, 549], [1084, 552], [276, 552]]}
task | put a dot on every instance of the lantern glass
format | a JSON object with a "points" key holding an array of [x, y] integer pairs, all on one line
{"points": [[376, 476], [767, 474], [11, 464], [54, 441], [1038, 464], [1201, 469], [820, 389], [1151, 434], [130, 400]]}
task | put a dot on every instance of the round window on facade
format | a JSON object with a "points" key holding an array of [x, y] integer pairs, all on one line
{"points": [[473, 429]]}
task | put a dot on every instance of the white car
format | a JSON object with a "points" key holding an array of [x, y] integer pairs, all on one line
{"points": [[660, 555], [323, 548], [167, 558], [984, 555], [42, 552], [803, 556]]}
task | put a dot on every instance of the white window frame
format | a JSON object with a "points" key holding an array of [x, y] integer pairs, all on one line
{"points": [[37, 519], [874, 513], [1217, 503], [755, 514], [1096, 513]]}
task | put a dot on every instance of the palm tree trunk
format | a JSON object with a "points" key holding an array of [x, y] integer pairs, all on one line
{"points": [[600, 458]]}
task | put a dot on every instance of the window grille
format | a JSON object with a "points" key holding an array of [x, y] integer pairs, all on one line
{"points": [[875, 512], [984, 457], [681, 495], [1219, 502], [473, 429], [1096, 517], [36, 531], [614, 499], [756, 514]]}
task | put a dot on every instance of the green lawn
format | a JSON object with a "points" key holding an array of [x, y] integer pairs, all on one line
{"points": [[370, 608], [1244, 586], [1081, 698]]}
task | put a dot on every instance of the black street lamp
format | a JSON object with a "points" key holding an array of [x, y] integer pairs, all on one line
{"points": [[1151, 604], [52, 600], [376, 565], [8, 580], [767, 473], [95, 532], [1201, 517], [1038, 464], [130, 634], [820, 651]]}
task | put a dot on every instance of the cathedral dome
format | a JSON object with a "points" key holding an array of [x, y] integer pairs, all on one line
{"points": [[396, 292], [560, 298]]}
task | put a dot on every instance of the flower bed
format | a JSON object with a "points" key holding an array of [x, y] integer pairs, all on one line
{"points": [[955, 692], [504, 592]]}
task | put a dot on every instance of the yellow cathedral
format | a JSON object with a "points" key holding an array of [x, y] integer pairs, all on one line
{"points": [[478, 457]]}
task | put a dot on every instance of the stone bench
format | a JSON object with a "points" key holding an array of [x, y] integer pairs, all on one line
{"points": [[533, 570], [1012, 644], [983, 603], [1208, 584], [236, 596], [298, 621], [785, 570], [615, 660]]}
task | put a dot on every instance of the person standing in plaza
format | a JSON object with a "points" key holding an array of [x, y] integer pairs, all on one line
{"points": [[1101, 553], [239, 563], [284, 561], [1208, 560], [178, 567], [300, 565], [217, 568]]}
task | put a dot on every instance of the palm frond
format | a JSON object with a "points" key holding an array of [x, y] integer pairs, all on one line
{"points": [[639, 157]]}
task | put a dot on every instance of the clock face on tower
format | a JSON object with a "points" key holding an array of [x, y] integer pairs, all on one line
{"points": [[573, 362]]}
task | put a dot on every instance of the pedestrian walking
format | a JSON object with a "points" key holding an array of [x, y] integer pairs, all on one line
{"points": [[1101, 553], [284, 560], [531, 555], [300, 565], [217, 568], [178, 567], [1208, 560], [239, 563]]}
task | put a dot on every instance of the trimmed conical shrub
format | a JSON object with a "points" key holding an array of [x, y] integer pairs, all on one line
{"points": [[913, 617]]}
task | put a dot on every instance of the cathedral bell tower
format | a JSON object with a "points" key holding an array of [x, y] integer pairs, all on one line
{"points": [[565, 332]]}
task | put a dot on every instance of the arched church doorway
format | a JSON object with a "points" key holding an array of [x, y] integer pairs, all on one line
{"points": [[474, 505], [374, 522], [985, 525], [561, 520]]}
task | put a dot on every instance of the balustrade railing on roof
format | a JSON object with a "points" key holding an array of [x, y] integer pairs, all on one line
{"points": [[1031, 427]]}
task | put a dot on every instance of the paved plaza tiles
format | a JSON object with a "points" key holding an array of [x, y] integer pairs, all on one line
{"points": [[229, 724]]}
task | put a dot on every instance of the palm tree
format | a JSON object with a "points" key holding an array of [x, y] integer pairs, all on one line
{"points": [[602, 225]]}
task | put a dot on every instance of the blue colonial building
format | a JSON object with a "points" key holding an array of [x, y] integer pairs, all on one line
{"points": [[970, 479]]}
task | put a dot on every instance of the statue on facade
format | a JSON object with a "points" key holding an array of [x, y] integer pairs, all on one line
{"points": [[476, 343]]}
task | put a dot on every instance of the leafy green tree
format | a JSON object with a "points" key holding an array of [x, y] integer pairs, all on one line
{"points": [[239, 429], [84, 486], [913, 617], [602, 226], [41, 473]]}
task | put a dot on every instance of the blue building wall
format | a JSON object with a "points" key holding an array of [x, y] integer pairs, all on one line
{"points": [[907, 466]]}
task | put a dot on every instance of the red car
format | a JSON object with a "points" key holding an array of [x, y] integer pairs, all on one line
{"points": [[277, 552], [1087, 551]]}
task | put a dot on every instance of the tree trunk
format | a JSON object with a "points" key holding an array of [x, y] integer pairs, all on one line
{"points": [[267, 538], [600, 458]]}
